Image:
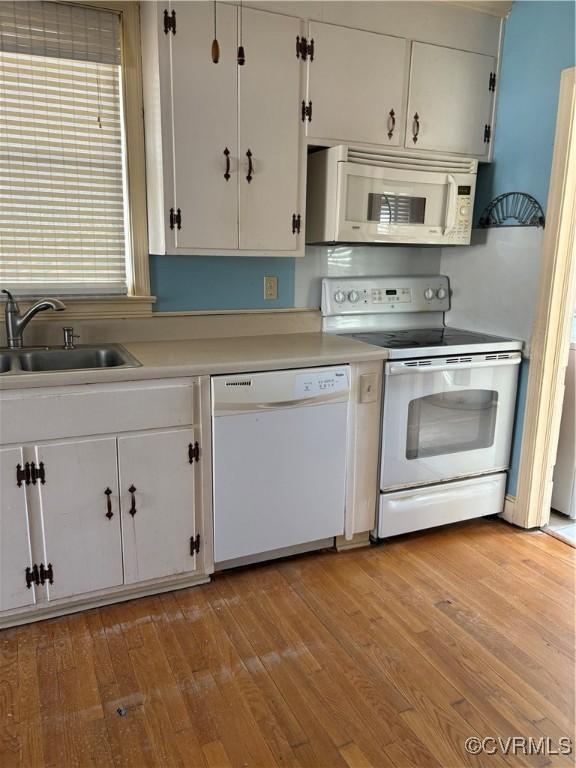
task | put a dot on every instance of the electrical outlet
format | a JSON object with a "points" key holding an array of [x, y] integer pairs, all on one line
{"points": [[270, 287]]}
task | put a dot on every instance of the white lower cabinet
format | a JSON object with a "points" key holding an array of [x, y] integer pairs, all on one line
{"points": [[15, 552], [157, 492], [86, 519], [80, 519]]}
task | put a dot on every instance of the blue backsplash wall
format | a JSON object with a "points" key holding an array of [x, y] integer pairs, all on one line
{"points": [[538, 44], [219, 282]]}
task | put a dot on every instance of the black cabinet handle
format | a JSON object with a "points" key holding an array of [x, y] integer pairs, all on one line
{"points": [[415, 127], [250, 166], [132, 491], [391, 123], [109, 513], [227, 156]]}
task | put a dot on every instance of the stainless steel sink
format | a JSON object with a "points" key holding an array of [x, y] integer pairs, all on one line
{"points": [[58, 359]]}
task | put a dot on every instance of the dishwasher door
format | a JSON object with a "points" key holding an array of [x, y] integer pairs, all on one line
{"points": [[279, 459]]}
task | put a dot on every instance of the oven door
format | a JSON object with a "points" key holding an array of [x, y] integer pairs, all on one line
{"points": [[447, 418], [394, 205]]}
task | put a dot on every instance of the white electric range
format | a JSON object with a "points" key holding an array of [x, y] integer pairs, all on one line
{"points": [[448, 403]]}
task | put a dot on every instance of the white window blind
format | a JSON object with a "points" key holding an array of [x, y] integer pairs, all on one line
{"points": [[63, 196]]}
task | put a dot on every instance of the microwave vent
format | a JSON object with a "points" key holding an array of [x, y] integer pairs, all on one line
{"points": [[403, 161]]}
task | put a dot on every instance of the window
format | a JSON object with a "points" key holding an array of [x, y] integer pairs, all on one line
{"points": [[65, 221]]}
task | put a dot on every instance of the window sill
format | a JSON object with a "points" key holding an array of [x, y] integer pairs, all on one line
{"points": [[96, 308]]}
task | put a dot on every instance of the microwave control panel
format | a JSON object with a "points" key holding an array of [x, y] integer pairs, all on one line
{"points": [[378, 295]]}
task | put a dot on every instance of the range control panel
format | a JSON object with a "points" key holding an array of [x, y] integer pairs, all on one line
{"points": [[378, 295]]}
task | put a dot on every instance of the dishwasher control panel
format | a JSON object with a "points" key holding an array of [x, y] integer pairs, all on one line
{"points": [[314, 383]]}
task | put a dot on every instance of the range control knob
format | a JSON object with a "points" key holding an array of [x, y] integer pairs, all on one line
{"points": [[353, 297], [441, 293], [339, 297], [429, 294]]}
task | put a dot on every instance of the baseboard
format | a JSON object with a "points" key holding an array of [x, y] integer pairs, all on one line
{"points": [[357, 541]]}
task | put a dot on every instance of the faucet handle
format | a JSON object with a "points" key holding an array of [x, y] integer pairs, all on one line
{"points": [[69, 337]]}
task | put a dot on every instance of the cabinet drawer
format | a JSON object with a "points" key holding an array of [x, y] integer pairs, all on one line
{"points": [[60, 412]]}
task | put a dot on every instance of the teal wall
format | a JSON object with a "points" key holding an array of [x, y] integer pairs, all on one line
{"points": [[539, 42], [219, 282]]}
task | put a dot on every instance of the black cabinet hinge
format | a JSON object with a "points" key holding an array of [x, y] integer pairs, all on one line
{"points": [[296, 222], [193, 452], [492, 81], [307, 111], [30, 474], [175, 218], [169, 22], [35, 575], [304, 49], [32, 576], [194, 544], [487, 134]]}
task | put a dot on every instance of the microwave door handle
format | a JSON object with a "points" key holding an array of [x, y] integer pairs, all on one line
{"points": [[451, 205]]}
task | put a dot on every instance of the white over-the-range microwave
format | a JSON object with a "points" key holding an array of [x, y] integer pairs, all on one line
{"points": [[370, 196]]}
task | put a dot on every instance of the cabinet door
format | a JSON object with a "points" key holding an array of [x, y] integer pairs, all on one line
{"points": [[81, 521], [15, 554], [450, 93], [270, 130], [204, 112], [157, 489], [356, 80]]}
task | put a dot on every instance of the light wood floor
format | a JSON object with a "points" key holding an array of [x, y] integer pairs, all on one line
{"points": [[386, 657]]}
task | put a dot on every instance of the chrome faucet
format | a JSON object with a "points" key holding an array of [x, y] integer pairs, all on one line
{"points": [[15, 322]]}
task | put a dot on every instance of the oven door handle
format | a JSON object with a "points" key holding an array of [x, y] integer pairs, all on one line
{"points": [[400, 368]]}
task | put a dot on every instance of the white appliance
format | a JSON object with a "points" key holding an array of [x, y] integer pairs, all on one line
{"points": [[378, 196], [449, 399], [564, 488], [279, 461]]}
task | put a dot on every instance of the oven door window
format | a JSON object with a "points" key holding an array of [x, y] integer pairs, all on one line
{"points": [[451, 422]]}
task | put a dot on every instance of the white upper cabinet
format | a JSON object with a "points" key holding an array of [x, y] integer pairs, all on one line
{"points": [[356, 85], [224, 141], [15, 549], [203, 98], [450, 100], [270, 148]]}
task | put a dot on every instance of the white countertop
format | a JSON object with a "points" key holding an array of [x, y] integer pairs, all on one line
{"points": [[197, 357]]}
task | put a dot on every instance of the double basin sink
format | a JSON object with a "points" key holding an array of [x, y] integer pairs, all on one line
{"points": [[45, 359]]}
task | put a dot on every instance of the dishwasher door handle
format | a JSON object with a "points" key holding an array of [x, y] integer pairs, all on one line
{"points": [[220, 409]]}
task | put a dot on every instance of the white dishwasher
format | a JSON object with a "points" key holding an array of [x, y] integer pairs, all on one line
{"points": [[279, 461]]}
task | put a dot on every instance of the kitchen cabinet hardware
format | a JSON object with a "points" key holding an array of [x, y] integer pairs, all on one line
{"points": [[227, 156], [487, 134], [193, 452], [307, 111], [46, 574], [175, 218], [296, 223], [37, 473], [23, 475], [109, 513], [194, 545], [492, 82], [304, 49], [391, 123], [415, 127], [132, 491], [32, 576], [169, 22], [250, 173]]}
